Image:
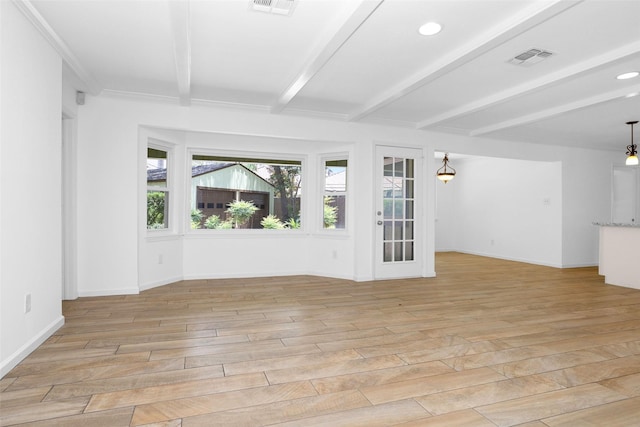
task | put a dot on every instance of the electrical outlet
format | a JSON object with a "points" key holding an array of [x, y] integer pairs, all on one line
{"points": [[160, 259], [27, 303]]}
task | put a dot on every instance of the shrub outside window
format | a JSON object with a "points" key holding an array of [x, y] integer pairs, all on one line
{"points": [[245, 193], [335, 194], [157, 189]]}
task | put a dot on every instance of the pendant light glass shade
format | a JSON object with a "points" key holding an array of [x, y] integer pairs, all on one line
{"points": [[446, 173], [632, 150]]}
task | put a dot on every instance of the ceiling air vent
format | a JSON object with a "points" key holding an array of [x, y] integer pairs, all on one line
{"points": [[530, 57], [279, 7]]}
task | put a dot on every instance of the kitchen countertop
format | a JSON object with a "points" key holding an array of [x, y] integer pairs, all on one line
{"points": [[616, 224]]}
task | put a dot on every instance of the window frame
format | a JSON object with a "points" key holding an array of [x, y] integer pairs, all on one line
{"points": [[167, 188], [250, 156], [322, 193]]}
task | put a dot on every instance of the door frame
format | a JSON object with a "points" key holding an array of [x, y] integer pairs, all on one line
{"points": [[415, 268], [69, 207]]}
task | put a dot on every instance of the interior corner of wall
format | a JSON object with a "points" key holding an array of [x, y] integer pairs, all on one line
{"points": [[12, 361]]}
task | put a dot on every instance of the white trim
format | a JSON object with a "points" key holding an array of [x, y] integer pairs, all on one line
{"points": [[245, 233], [110, 292], [158, 283], [322, 163], [331, 275], [249, 155], [179, 13], [140, 96], [12, 361], [163, 237], [363, 278], [528, 18], [166, 99], [38, 21], [69, 207], [538, 84], [385, 270], [331, 42], [252, 276], [168, 188], [517, 259], [581, 265], [555, 111]]}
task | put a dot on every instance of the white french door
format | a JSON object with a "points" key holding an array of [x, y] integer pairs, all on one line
{"points": [[398, 248]]}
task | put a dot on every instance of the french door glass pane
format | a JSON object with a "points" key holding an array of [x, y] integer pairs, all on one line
{"points": [[398, 209], [408, 230], [398, 184], [408, 251], [388, 251], [409, 209], [388, 166], [397, 234], [409, 168], [388, 231], [397, 248], [388, 209], [409, 192], [398, 167]]}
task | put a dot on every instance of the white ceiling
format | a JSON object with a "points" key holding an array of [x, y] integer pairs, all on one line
{"points": [[355, 60]]}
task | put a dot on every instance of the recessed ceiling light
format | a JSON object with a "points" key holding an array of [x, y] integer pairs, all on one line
{"points": [[626, 76], [430, 29]]}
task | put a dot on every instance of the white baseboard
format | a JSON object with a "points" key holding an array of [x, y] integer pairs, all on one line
{"points": [[109, 292], [330, 275], [581, 265], [527, 261], [429, 274], [245, 275], [507, 258], [13, 360], [151, 285]]}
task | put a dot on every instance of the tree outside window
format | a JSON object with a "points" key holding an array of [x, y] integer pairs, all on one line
{"points": [[250, 193]]}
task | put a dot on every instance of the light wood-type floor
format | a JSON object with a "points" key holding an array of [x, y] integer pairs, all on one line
{"points": [[486, 343]]}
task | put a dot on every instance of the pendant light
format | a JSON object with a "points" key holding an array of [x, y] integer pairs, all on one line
{"points": [[632, 150], [445, 175]]}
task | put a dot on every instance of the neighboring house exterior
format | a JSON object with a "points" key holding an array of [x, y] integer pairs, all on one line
{"points": [[214, 186], [335, 187]]}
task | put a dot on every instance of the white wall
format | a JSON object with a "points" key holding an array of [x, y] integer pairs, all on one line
{"points": [[30, 227], [586, 187], [586, 197], [111, 257], [69, 193], [503, 208], [111, 129], [446, 207], [111, 228]]}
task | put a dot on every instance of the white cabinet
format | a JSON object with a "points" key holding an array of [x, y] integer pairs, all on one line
{"points": [[625, 200], [620, 255]]}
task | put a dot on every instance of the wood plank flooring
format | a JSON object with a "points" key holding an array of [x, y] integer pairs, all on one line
{"points": [[486, 343]]}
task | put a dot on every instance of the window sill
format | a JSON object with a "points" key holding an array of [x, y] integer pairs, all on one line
{"points": [[244, 234], [332, 234], [160, 235]]}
